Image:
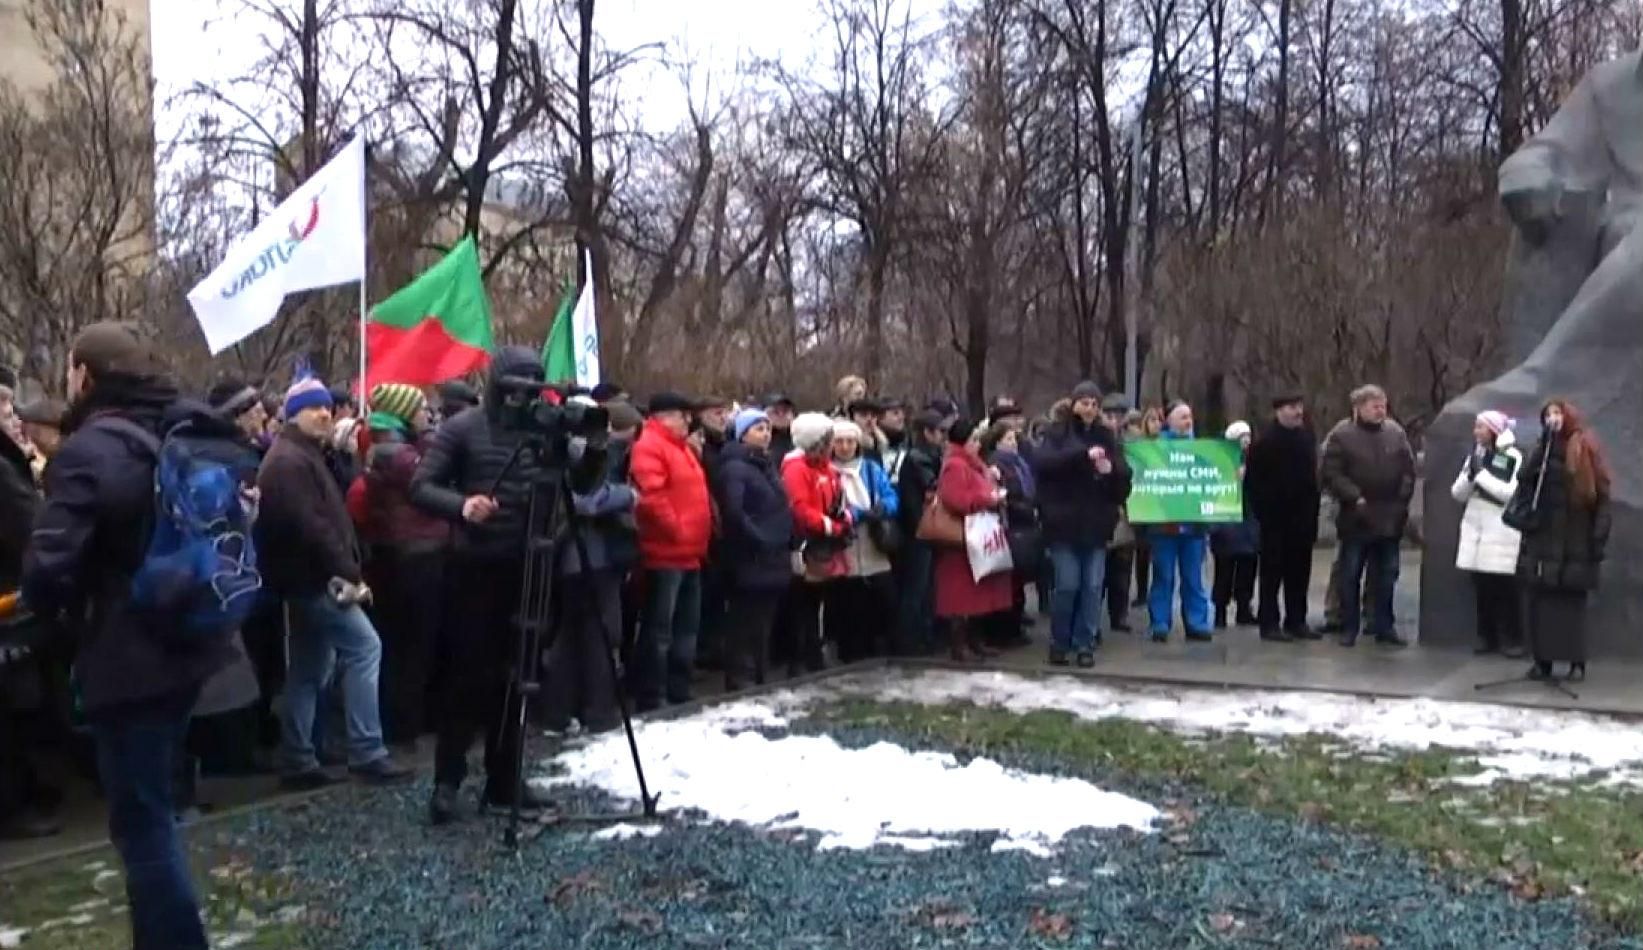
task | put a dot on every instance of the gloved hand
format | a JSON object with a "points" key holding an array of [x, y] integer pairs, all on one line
{"points": [[1474, 462]]}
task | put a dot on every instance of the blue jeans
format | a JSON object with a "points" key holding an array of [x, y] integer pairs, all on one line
{"points": [[665, 655], [136, 756], [1075, 604], [1178, 555], [324, 634], [1380, 556]]}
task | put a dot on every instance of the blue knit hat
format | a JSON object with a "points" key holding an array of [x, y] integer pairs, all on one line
{"points": [[747, 419], [306, 393]]}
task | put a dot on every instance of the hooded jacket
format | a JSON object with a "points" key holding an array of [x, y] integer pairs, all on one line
{"points": [[1486, 482], [675, 510], [470, 452], [89, 538], [390, 517], [1078, 505]]}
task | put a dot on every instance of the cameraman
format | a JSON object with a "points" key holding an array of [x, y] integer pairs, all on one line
{"points": [[471, 475]]}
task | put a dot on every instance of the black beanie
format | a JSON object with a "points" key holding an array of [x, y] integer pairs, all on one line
{"points": [[960, 431]]}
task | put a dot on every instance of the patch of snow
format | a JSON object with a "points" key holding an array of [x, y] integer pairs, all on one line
{"points": [[1510, 742], [233, 939], [1056, 880], [1034, 848], [102, 876], [625, 831], [12, 937], [717, 763], [93, 904]]}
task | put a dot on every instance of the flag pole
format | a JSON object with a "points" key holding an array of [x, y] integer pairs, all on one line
{"points": [[365, 271]]}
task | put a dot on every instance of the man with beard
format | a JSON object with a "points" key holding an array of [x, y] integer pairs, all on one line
{"points": [[471, 475], [137, 683], [1281, 489]]}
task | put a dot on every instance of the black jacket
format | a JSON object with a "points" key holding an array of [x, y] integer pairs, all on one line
{"points": [[467, 455], [1281, 481], [758, 521], [18, 501], [919, 472], [1565, 548], [1077, 505], [304, 535], [89, 539]]}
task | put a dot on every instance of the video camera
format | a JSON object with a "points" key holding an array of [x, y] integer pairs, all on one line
{"points": [[531, 409]]}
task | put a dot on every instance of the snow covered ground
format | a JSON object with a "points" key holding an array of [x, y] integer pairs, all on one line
{"points": [[1510, 742], [723, 761], [718, 762]]}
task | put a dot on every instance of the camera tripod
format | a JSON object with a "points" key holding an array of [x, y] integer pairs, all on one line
{"points": [[1554, 683], [550, 521]]}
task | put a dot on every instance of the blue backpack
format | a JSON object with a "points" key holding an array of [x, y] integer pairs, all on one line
{"points": [[200, 567]]}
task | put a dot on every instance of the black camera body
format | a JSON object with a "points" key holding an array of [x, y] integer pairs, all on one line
{"points": [[524, 409]]}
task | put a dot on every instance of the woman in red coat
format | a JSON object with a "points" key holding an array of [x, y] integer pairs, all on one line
{"points": [[967, 487]]}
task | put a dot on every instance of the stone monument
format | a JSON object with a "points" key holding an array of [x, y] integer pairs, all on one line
{"points": [[1573, 323]]}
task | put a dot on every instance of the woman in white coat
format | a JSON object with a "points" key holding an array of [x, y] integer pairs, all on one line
{"points": [[1488, 547]]}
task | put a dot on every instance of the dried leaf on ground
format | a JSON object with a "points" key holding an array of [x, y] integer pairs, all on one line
{"points": [[568, 890], [1051, 925], [645, 921], [941, 915], [1361, 942], [1224, 923]]}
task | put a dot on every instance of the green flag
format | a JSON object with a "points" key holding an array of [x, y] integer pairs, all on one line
{"points": [[558, 355], [435, 328]]}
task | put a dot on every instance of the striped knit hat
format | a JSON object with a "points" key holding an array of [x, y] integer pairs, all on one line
{"points": [[397, 399], [306, 393]]}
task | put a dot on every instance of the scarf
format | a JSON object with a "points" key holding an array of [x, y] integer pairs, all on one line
{"points": [[856, 493]]}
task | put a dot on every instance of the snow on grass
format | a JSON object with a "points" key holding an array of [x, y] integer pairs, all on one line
{"points": [[719, 763], [12, 936], [1510, 742]]}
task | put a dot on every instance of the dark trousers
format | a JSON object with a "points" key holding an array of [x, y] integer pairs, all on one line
{"points": [[1499, 613], [579, 682], [1286, 564], [860, 615], [714, 614], [915, 590], [665, 656], [409, 590], [1117, 582], [1379, 557], [137, 749], [751, 620], [1143, 571], [264, 638], [478, 656], [1235, 583], [805, 599]]}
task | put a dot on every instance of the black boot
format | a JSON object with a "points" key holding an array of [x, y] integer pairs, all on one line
{"points": [[443, 807], [1577, 672], [1246, 616], [1220, 618]]}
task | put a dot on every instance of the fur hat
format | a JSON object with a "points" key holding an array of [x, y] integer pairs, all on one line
{"points": [[810, 429], [845, 429], [1238, 430]]}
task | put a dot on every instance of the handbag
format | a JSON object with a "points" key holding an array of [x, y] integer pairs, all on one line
{"points": [[987, 545], [937, 525], [1522, 513]]}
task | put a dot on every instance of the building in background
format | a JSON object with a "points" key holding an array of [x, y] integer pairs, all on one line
{"points": [[23, 62]]}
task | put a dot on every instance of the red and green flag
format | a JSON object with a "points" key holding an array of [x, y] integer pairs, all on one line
{"points": [[435, 328], [558, 353]]}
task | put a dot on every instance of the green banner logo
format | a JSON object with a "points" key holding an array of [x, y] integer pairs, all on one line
{"points": [[1185, 481]]}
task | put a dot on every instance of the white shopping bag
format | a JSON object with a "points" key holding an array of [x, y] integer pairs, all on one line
{"points": [[987, 544]]}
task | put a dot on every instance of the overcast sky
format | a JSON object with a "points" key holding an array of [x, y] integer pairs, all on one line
{"points": [[194, 40]]}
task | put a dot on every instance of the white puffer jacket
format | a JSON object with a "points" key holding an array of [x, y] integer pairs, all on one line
{"points": [[1487, 545]]}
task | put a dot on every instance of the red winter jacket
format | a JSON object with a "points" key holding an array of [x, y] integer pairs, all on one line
{"points": [[675, 512], [813, 489]]}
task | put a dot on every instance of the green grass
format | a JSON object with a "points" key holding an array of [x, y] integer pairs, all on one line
{"points": [[1543, 838], [79, 903]]}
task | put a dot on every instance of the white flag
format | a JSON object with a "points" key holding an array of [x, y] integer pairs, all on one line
{"points": [[584, 330], [315, 238]]}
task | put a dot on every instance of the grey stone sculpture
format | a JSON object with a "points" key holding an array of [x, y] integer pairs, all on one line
{"points": [[1573, 316]]}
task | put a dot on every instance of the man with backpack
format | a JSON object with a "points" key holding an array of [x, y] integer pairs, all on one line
{"points": [[137, 673], [310, 557]]}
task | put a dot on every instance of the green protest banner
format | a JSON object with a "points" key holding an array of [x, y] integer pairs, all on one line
{"points": [[1185, 481]]}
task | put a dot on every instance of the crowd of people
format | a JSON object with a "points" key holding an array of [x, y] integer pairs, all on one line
{"points": [[743, 537]]}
